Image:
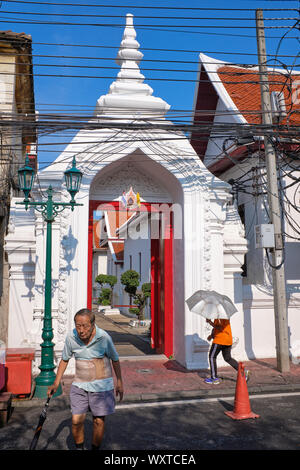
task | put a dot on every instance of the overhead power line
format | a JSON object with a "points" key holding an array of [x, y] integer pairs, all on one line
{"points": [[249, 82], [175, 113], [161, 28], [114, 25], [155, 49], [88, 5], [84, 15], [101, 122], [206, 62], [153, 69]]}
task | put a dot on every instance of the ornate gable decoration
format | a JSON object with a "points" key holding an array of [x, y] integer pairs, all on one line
{"points": [[131, 200]]}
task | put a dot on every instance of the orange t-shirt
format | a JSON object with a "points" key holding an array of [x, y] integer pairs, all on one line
{"points": [[222, 336]]}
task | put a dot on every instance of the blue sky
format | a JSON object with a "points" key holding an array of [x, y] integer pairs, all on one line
{"points": [[232, 42]]}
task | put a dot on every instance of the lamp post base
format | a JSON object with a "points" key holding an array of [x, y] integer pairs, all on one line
{"points": [[41, 391]]}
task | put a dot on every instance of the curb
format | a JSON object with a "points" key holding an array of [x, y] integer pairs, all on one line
{"points": [[213, 393], [64, 401]]}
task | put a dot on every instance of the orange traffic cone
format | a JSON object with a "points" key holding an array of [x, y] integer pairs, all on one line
{"points": [[242, 408]]}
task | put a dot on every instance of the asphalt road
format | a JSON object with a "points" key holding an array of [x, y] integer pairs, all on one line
{"points": [[188, 425]]}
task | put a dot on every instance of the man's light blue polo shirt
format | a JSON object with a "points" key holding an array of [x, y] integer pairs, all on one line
{"points": [[100, 346]]}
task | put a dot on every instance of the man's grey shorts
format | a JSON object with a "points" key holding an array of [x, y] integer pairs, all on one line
{"points": [[99, 403]]}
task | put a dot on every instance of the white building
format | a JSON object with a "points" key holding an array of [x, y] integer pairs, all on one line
{"points": [[197, 240], [229, 96]]}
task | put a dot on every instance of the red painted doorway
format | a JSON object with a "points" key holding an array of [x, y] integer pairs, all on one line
{"points": [[161, 273]]}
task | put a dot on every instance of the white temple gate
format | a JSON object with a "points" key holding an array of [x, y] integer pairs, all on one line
{"points": [[128, 143]]}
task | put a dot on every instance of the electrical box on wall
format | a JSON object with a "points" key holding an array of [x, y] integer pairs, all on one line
{"points": [[264, 236]]}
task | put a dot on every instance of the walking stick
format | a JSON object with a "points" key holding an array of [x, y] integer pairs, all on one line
{"points": [[39, 427]]}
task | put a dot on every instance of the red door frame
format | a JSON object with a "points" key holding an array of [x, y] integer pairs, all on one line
{"points": [[161, 278]]}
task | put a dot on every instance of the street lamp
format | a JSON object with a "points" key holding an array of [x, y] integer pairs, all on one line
{"points": [[73, 180], [49, 210], [26, 177]]}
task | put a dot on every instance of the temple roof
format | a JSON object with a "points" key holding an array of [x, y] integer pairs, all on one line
{"points": [[238, 88]]}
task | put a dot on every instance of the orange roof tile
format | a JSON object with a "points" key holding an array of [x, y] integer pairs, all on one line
{"points": [[118, 248], [243, 87], [115, 220], [14, 37]]}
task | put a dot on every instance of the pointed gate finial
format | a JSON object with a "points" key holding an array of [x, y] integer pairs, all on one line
{"points": [[128, 94]]}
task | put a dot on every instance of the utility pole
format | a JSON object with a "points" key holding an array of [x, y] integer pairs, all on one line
{"points": [[279, 288]]}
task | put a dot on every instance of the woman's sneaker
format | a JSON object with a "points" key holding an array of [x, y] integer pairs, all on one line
{"points": [[212, 381]]}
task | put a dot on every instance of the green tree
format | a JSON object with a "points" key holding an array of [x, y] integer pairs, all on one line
{"points": [[140, 300], [105, 297], [131, 279]]}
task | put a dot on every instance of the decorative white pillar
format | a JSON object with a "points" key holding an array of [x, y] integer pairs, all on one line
{"points": [[205, 266], [235, 248]]}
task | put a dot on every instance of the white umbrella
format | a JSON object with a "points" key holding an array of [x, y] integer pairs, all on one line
{"points": [[211, 304]]}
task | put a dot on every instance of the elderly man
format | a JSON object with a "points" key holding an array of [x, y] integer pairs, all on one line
{"points": [[93, 385]]}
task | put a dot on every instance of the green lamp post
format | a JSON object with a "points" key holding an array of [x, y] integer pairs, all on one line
{"points": [[49, 210]]}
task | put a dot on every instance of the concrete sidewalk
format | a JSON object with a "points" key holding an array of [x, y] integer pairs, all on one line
{"points": [[148, 377], [156, 379]]}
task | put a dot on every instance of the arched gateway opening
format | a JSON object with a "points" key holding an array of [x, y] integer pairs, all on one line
{"points": [[107, 223]]}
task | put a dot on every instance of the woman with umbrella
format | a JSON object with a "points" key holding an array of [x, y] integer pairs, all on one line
{"points": [[222, 341], [219, 308]]}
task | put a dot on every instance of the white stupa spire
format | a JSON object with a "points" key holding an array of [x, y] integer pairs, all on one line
{"points": [[128, 94], [129, 54]]}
